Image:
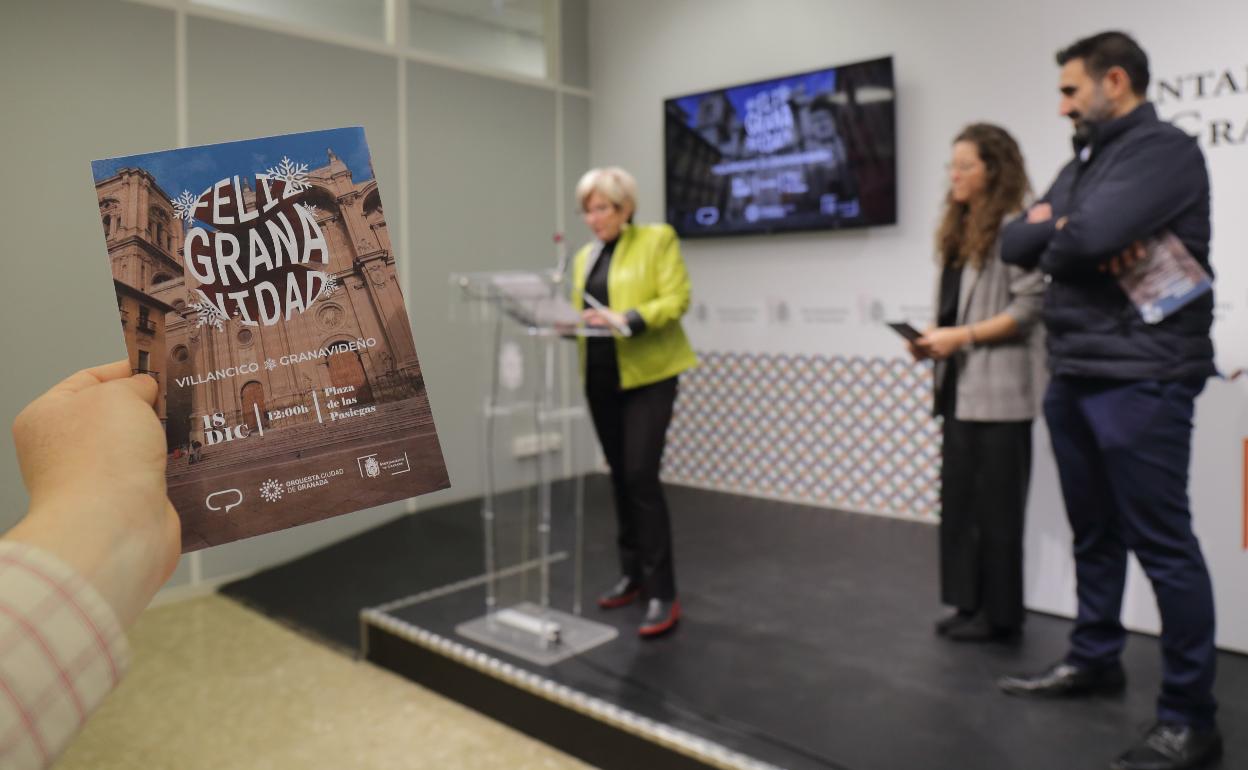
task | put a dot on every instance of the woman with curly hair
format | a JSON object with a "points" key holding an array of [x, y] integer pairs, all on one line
{"points": [[989, 373]]}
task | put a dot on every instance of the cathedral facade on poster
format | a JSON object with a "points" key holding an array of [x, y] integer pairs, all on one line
{"points": [[354, 338]]}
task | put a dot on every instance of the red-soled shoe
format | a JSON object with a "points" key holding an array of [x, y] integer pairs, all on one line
{"points": [[661, 617], [622, 594]]}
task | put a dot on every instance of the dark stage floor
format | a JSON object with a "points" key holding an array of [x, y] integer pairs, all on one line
{"points": [[806, 642]]}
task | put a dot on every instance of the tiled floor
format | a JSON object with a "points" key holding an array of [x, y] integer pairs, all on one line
{"points": [[215, 685]]}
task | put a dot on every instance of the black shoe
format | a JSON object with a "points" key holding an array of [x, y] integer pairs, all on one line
{"points": [[978, 629], [661, 617], [1170, 746], [1062, 680], [623, 593], [956, 618]]}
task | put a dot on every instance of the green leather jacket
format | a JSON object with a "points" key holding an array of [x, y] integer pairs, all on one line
{"points": [[647, 274]]}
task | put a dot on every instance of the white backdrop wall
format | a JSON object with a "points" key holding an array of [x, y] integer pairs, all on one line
{"points": [[955, 63]]}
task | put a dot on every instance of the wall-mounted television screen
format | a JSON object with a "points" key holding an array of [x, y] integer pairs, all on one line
{"points": [[806, 152]]}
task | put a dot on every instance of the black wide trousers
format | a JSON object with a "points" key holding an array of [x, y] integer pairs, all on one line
{"points": [[632, 427], [985, 472]]}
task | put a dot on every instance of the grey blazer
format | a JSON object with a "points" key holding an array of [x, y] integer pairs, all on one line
{"points": [[999, 381]]}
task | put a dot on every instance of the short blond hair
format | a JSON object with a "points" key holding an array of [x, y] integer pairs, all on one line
{"points": [[613, 183]]}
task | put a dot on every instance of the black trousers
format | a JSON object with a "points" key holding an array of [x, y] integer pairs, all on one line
{"points": [[1123, 449], [632, 427], [985, 472]]}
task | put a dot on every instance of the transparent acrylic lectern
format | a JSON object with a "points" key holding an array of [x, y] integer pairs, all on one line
{"points": [[536, 445]]}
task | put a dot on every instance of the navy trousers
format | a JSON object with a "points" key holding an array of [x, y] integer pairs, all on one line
{"points": [[1123, 450]]}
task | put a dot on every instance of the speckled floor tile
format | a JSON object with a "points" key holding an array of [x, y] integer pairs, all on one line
{"points": [[215, 685]]}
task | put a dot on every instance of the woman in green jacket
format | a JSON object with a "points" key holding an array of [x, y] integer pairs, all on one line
{"points": [[631, 279]]}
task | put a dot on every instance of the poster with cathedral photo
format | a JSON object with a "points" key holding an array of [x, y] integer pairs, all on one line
{"points": [[256, 283]]}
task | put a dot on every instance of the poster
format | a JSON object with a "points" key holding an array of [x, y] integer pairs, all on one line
{"points": [[256, 282]]}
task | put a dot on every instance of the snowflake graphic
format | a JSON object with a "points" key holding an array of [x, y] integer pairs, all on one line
{"points": [[271, 490], [270, 364], [295, 175], [330, 288], [208, 314], [311, 210], [184, 205]]}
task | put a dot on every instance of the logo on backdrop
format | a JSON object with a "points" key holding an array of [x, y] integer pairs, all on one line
{"points": [[1211, 105]]}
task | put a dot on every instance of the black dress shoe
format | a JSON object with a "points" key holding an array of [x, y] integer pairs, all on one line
{"points": [[624, 592], [1063, 680], [661, 617], [978, 629], [1169, 746], [956, 618]]}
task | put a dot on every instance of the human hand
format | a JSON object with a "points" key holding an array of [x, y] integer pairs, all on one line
{"points": [[1124, 261], [604, 318], [1041, 212], [943, 342], [916, 349], [92, 454]]}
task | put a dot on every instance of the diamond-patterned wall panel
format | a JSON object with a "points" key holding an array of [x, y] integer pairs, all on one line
{"points": [[846, 432]]}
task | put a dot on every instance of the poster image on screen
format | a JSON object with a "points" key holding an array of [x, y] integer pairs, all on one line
{"points": [[805, 152]]}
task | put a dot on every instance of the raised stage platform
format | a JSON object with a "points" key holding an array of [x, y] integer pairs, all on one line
{"points": [[806, 644]]}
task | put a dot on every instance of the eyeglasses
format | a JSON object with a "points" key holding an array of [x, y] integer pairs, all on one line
{"points": [[963, 168]]}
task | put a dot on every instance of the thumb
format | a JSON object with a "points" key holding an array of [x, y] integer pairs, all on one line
{"points": [[141, 385]]}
